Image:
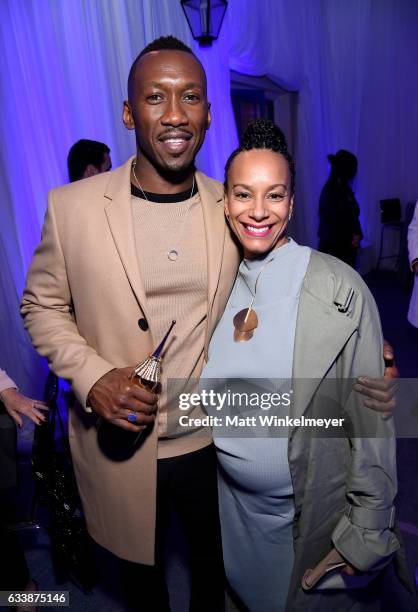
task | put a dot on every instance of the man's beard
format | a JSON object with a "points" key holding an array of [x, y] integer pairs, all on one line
{"points": [[175, 172]]}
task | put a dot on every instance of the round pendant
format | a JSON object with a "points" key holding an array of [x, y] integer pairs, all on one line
{"points": [[172, 255], [245, 322]]}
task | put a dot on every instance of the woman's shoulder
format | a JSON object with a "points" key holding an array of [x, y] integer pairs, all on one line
{"points": [[333, 280]]}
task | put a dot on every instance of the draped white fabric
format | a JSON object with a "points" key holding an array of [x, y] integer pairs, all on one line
{"points": [[63, 77]]}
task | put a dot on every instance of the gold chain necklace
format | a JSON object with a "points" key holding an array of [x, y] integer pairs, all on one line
{"points": [[246, 320], [172, 254]]}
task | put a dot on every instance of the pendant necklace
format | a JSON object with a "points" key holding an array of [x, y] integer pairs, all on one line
{"points": [[246, 320], [172, 254]]}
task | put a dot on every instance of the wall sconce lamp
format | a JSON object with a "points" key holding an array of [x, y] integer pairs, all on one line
{"points": [[205, 18]]}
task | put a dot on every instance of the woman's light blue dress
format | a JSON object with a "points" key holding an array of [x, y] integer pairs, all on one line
{"points": [[255, 488]]}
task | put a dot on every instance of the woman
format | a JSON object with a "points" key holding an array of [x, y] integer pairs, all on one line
{"points": [[339, 225], [13, 407], [286, 502]]}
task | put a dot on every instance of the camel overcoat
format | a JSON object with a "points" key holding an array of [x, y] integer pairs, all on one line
{"points": [[81, 306]]}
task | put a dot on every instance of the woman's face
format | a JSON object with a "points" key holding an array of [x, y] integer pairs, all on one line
{"points": [[259, 200]]}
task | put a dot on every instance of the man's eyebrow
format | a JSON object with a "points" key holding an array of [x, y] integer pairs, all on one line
{"points": [[190, 85]]}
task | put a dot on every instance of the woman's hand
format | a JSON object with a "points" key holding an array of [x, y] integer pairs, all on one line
{"points": [[350, 570], [18, 405]]}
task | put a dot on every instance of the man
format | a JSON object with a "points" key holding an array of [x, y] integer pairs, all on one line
{"points": [[87, 158], [105, 282], [413, 259]]}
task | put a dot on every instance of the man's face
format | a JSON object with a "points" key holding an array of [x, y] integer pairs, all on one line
{"points": [[168, 109]]}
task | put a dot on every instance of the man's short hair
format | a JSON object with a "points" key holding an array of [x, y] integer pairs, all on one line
{"points": [[164, 43], [83, 153]]}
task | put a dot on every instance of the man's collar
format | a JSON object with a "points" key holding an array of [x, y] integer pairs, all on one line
{"points": [[164, 197], [119, 183]]}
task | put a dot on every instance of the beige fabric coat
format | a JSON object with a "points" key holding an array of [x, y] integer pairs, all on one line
{"points": [[81, 306], [338, 338]]}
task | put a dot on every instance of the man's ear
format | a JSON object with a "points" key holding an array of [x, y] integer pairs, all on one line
{"points": [[209, 117], [128, 118]]}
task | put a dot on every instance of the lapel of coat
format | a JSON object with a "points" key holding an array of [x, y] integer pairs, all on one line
{"points": [[211, 196], [321, 333], [118, 210]]}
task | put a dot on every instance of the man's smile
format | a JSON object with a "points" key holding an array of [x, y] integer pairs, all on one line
{"points": [[175, 141]]}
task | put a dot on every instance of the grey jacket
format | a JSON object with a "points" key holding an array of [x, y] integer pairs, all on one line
{"points": [[338, 337]]}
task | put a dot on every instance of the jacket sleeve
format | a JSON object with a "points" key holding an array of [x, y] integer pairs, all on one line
{"points": [[364, 535], [48, 315], [6, 382]]}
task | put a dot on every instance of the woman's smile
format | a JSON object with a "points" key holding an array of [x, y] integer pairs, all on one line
{"points": [[258, 231]]}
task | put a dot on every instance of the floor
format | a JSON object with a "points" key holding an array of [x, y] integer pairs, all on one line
{"points": [[106, 597]]}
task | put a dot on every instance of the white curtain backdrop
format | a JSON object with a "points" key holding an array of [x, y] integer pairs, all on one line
{"points": [[63, 77]]}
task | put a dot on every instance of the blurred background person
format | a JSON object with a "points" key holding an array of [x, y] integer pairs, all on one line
{"points": [[87, 158], [339, 225], [413, 259], [13, 407]]}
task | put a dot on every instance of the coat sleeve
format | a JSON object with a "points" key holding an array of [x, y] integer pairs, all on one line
{"points": [[6, 382], [364, 535], [413, 237], [48, 315]]}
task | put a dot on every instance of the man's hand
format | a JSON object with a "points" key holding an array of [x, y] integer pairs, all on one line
{"points": [[415, 268], [381, 391], [114, 397], [355, 241], [18, 405]]}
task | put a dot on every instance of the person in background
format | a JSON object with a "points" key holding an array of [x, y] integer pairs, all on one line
{"points": [[413, 259], [87, 158], [14, 406], [339, 225]]}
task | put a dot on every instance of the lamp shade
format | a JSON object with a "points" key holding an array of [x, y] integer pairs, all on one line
{"points": [[205, 18]]}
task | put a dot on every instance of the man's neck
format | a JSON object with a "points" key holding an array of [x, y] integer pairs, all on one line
{"points": [[148, 178]]}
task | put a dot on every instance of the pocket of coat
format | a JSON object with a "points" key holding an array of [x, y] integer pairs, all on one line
{"points": [[328, 574], [335, 579]]}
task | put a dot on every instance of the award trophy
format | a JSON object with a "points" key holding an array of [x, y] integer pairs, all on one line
{"points": [[118, 443], [147, 373]]}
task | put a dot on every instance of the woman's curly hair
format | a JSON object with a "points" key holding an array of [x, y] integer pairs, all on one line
{"points": [[263, 134]]}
